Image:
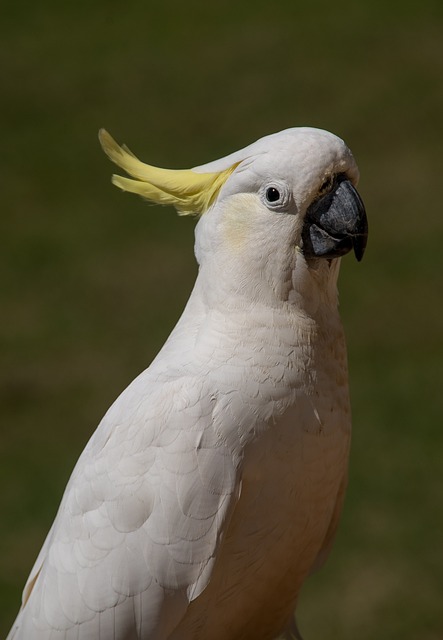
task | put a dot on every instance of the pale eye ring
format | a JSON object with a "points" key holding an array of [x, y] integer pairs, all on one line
{"points": [[276, 196]]}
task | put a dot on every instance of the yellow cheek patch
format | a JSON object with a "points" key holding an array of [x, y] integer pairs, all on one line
{"points": [[237, 219], [186, 190]]}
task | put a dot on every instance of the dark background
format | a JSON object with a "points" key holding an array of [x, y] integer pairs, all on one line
{"points": [[92, 280]]}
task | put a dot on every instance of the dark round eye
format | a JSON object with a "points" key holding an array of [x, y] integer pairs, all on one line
{"points": [[272, 194]]}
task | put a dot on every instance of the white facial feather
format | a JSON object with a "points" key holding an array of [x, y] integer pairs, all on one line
{"points": [[246, 245]]}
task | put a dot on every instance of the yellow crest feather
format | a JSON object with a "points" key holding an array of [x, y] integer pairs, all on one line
{"points": [[186, 190]]}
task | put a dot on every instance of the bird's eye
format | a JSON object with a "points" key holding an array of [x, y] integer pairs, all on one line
{"points": [[272, 194], [276, 196]]}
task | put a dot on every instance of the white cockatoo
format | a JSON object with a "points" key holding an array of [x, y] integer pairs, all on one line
{"points": [[214, 484]]}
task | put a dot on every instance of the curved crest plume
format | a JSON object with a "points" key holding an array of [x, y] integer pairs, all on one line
{"points": [[189, 192]]}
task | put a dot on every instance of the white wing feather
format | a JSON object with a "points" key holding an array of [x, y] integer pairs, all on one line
{"points": [[153, 476]]}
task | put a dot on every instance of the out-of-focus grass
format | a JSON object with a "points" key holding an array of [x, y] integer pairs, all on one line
{"points": [[92, 280]]}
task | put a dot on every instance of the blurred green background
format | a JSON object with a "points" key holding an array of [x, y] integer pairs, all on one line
{"points": [[93, 280]]}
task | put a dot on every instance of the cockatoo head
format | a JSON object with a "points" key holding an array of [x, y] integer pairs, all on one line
{"points": [[290, 196]]}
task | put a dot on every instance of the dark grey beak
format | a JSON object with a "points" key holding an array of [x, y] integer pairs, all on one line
{"points": [[336, 223]]}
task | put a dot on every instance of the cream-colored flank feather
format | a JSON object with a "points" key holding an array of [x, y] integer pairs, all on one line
{"points": [[214, 484]]}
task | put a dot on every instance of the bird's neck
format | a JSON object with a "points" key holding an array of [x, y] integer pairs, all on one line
{"points": [[217, 321], [295, 285]]}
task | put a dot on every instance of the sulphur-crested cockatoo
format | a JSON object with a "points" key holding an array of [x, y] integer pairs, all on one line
{"points": [[214, 484]]}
